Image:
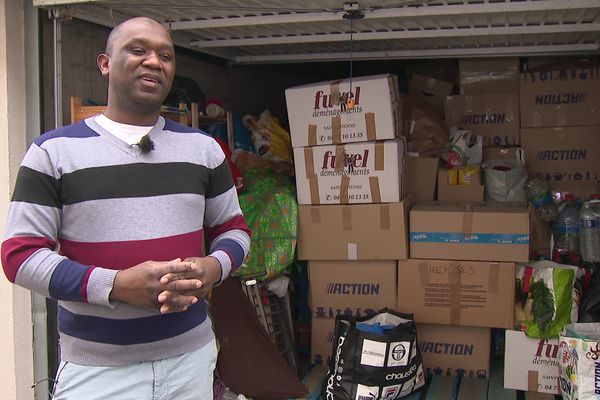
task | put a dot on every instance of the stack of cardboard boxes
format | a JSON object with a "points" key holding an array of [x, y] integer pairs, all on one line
{"points": [[489, 101], [461, 275], [452, 262], [560, 134], [560, 125], [557, 120], [349, 162]]}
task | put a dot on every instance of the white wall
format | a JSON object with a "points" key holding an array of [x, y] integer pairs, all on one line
{"points": [[16, 357]]}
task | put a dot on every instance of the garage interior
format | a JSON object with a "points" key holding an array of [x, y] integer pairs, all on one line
{"points": [[247, 53]]}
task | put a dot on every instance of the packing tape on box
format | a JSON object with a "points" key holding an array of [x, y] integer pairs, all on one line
{"points": [[379, 156], [312, 135], [467, 222], [375, 192], [454, 277], [384, 217], [313, 187], [313, 182], [309, 162], [494, 276], [352, 251], [423, 273], [532, 381], [334, 89], [315, 215], [340, 158], [370, 126], [336, 130], [346, 218], [344, 184]]}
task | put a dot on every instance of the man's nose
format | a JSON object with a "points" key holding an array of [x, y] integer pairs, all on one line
{"points": [[153, 60]]}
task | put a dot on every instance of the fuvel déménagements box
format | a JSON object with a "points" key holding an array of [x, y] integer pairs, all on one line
{"points": [[365, 172], [318, 112]]}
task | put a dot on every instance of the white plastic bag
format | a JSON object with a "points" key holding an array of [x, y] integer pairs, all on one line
{"points": [[460, 151], [505, 180], [578, 361]]}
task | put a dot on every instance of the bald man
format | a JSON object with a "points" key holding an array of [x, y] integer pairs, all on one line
{"points": [[109, 217]]}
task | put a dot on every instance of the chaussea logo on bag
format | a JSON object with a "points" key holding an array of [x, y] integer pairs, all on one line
{"points": [[336, 369]]}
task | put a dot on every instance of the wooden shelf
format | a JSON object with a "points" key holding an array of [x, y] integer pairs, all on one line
{"points": [[200, 120], [189, 118]]}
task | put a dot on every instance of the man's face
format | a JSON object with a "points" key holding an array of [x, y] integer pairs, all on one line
{"points": [[141, 66]]}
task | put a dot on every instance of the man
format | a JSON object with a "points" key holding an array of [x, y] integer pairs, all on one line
{"points": [[127, 197]]}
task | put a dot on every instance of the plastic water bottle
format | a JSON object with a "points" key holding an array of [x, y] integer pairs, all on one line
{"points": [[566, 229], [538, 194], [589, 235]]}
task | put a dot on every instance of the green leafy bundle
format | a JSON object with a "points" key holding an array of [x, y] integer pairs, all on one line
{"points": [[543, 305]]}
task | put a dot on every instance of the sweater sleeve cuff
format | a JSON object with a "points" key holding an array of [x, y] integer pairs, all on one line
{"points": [[100, 285], [225, 262]]}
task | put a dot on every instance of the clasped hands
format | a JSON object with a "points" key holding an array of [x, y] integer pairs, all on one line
{"points": [[170, 286]]}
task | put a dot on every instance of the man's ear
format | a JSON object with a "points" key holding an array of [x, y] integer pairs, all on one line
{"points": [[103, 62]]}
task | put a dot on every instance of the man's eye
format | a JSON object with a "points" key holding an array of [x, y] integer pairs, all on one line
{"points": [[166, 57], [138, 51]]}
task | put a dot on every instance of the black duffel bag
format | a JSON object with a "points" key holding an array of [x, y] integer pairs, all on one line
{"points": [[374, 357]]}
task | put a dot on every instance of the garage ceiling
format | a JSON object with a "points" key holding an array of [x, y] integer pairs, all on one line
{"points": [[273, 31]]}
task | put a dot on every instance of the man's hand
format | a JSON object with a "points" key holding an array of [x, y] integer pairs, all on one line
{"points": [[141, 285], [204, 270]]}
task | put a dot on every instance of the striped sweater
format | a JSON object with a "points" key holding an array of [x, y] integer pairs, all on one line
{"points": [[87, 204]]}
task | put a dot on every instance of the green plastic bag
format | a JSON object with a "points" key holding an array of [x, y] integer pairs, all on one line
{"points": [[545, 298], [271, 211]]}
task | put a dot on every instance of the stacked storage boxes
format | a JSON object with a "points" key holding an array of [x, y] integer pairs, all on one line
{"points": [[560, 125], [459, 280], [489, 101], [460, 276], [349, 164], [560, 134]]}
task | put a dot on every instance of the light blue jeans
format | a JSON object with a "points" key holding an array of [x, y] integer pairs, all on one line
{"points": [[185, 377]]}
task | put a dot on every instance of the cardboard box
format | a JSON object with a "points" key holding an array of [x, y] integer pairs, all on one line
{"points": [[567, 96], [493, 116], [489, 75], [455, 350], [478, 232], [321, 343], [318, 113], [356, 288], [430, 91], [458, 193], [356, 232], [466, 293], [563, 155], [501, 153], [365, 172], [531, 364], [421, 177]]}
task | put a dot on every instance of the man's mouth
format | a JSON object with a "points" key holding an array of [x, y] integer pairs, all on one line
{"points": [[151, 80]]}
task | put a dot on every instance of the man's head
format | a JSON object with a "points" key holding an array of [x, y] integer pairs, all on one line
{"points": [[140, 65]]}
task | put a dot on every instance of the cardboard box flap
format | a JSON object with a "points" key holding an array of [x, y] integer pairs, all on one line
{"points": [[484, 206], [430, 91]]}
